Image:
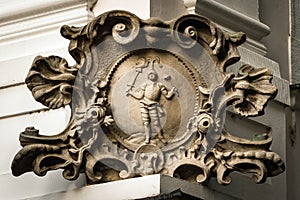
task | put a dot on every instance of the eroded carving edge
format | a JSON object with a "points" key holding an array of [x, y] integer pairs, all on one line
{"points": [[52, 83]]}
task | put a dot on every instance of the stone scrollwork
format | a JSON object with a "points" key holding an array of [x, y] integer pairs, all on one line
{"points": [[146, 97]]}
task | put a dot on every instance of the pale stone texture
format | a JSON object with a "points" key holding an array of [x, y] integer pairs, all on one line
{"points": [[137, 188], [138, 7], [21, 65], [27, 29]]}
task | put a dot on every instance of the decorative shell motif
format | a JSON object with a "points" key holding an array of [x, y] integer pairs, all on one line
{"points": [[50, 80], [255, 89]]}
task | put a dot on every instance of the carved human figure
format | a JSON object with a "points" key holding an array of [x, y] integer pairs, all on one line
{"points": [[151, 110]]}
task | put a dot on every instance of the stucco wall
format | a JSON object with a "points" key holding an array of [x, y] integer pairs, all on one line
{"points": [[29, 28]]}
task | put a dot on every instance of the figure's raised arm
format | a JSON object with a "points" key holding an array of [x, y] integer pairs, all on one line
{"points": [[168, 93], [138, 94]]}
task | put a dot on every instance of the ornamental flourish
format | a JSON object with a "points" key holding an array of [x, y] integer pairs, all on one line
{"points": [[147, 97]]}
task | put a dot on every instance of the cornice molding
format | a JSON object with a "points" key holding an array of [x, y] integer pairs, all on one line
{"points": [[231, 20], [31, 17], [235, 20], [12, 12], [190, 5]]}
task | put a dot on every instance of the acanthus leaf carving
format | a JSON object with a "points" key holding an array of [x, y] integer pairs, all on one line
{"points": [[254, 85], [50, 80]]}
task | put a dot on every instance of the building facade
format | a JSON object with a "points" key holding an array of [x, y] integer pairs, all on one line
{"points": [[31, 28]]}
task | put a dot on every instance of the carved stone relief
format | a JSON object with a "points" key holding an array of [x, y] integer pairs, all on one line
{"points": [[147, 97]]}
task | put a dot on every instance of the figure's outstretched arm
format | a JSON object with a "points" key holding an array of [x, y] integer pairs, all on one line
{"points": [[169, 94]]}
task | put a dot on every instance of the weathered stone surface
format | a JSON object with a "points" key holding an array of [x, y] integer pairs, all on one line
{"points": [[149, 97]]}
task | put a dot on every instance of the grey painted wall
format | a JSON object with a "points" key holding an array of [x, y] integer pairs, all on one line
{"points": [[295, 41], [275, 14], [247, 7]]}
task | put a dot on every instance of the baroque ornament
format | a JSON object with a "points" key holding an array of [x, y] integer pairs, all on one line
{"points": [[147, 97]]}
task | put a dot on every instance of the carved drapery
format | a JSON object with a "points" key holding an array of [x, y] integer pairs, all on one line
{"points": [[148, 96]]}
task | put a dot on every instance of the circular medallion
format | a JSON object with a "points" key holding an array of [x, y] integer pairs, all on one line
{"points": [[152, 96]]}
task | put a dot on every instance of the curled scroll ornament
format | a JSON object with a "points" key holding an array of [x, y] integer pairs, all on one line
{"points": [[85, 147]]}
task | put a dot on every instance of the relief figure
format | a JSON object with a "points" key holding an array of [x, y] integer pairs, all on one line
{"points": [[149, 94]]}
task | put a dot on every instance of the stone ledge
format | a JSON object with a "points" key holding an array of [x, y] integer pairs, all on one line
{"points": [[36, 17], [235, 20], [12, 12], [232, 20], [138, 188]]}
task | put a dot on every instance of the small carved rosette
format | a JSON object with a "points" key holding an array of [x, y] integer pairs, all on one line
{"points": [[147, 97]]}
